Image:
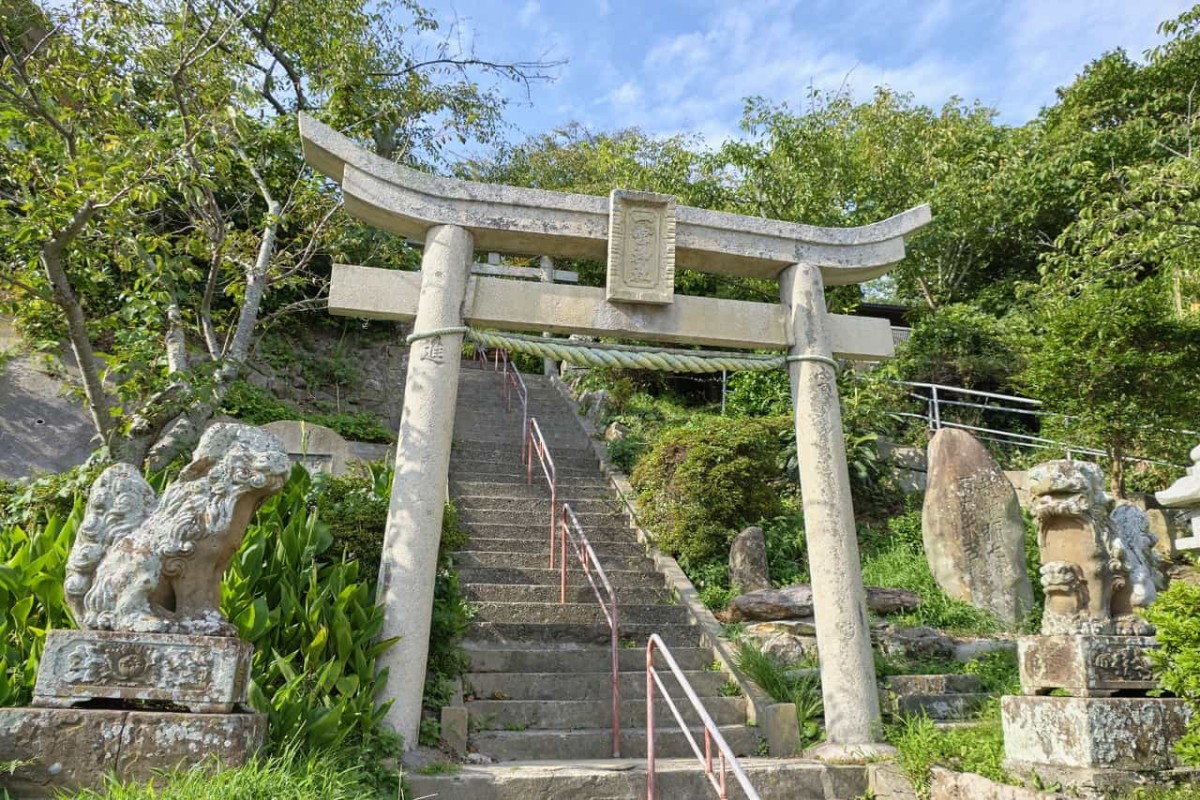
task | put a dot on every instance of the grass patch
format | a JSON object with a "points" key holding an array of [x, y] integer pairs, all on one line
{"points": [[895, 558], [785, 685], [441, 768], [288, 776], [921, 745]]}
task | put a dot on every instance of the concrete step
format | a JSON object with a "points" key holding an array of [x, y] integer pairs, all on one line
{"points": [[578, 613], [518, 715], [578, 591], [541, 544], [488, 558], [933, 684], [938, 707], [556, 686], [633, 635], [541, 576], [576, 659], [463, 466], [519, 489], [595, 533], [572, 457], [597, 743], [587, 519], [601, 505], [625, 779]]}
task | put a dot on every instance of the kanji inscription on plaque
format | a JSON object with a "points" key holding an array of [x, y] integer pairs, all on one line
{"points": [[641, 247]]}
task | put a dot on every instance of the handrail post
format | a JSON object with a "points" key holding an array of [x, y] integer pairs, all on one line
{"points": [[616, 683], [650, 719], [562, 549]]}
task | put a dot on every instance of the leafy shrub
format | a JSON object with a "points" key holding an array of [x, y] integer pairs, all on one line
{"points": [[702, 480], [958, 345], [355, 507], [759, 394], [787, 553], [1177, 659], [623, 453]]}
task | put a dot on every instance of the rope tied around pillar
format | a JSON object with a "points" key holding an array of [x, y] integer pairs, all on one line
{"points": [[430, 334], [810, 357]]}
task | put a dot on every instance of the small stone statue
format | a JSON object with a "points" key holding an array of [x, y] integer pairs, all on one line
{"points": [[1098, 568], [1185, 493], [154, 565]]}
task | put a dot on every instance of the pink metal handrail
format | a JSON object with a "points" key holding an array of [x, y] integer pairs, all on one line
{"points": [[571, 530], [726, 759], [514, 381], [537, 446]]}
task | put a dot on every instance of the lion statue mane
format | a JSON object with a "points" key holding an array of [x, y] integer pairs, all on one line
{"points": [[148, 564]]}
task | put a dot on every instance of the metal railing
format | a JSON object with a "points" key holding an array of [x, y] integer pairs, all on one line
{"points": [[726, 759], [537, 446], [938, 398], [513, 381], [571, 530]]}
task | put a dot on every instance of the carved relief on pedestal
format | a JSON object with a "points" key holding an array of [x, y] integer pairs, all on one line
{"points": [[641, 247]]}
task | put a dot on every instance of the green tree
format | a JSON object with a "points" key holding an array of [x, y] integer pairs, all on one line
{"points": [[153, 202]]}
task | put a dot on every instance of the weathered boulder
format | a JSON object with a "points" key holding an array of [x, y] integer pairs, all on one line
{"points": [[972, 528], [748, 569], [796, 602], [616, 431], [914, 644]]}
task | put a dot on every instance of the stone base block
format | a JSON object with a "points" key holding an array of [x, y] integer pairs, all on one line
{"points": [[73, 748], [1085, 666], [1079, 735], [204, 674]]}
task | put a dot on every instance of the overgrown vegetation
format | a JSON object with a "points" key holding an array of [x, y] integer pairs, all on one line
{"points": [[921, 745], [289, 775], [257, 406], [787, 685], [1177, 659], [296, 589]]}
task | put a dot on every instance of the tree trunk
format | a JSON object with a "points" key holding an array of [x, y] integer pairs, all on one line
{"points": [[64, 295]]}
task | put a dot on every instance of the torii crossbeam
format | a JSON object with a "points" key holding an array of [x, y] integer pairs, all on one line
{"points": [[643, 237]]}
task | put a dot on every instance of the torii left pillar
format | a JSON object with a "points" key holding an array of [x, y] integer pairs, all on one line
{"points": [[414, 526]]}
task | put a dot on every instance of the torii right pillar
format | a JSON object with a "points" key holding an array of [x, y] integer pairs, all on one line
{"points": [[853, 726]]}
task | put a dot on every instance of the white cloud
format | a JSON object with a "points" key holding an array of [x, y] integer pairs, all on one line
{"points": [[529, 13], [627, 94]]}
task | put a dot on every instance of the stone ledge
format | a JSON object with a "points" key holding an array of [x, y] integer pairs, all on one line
{"points": [[1086, 666], [73, 748]]}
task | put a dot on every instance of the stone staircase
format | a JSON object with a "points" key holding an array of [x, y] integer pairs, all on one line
{"points": [[538, 693]]}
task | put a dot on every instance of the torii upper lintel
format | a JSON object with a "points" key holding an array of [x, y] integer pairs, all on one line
{"points": [[519, 220]]}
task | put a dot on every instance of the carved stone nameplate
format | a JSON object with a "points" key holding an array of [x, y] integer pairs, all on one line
{"points": [[206, 674], [641, 247], [1085, 666]]}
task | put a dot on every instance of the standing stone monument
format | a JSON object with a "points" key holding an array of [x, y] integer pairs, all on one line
{"points": [[1098, 571], [644, 237], [317, 448], [156, 678], [972, 528]]}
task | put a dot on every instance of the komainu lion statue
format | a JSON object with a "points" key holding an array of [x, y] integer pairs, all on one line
{"points": [[154, 565], [1098, 565]]}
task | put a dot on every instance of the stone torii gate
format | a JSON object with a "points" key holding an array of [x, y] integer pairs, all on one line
{"points": [[643, 236]]}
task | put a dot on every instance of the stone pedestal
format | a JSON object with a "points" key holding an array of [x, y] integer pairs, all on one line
{"points": [[72, 748], [204, 674], [1086, 666], [1092, 743]]}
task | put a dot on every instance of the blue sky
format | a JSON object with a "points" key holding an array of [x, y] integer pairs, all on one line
{"points": [[672, 66]]}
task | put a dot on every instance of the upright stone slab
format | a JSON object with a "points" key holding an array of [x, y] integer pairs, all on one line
{"points": [[748, 568], [972, 528], [317, 448]]}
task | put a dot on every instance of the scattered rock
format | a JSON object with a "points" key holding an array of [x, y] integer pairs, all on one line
{"points": [[948, 785], [795, 602], [915, 644], [972, 528], [616, 432], [748, 570]]}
